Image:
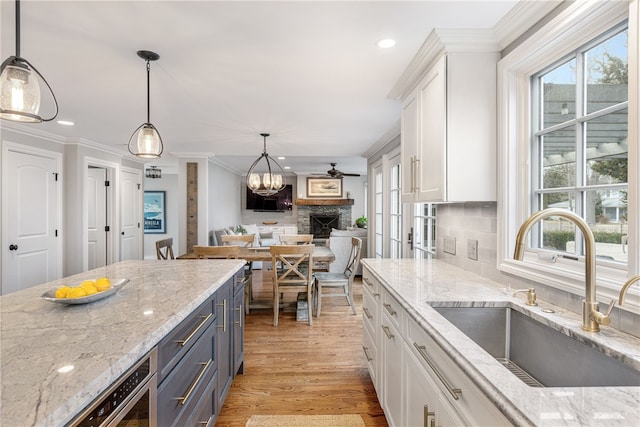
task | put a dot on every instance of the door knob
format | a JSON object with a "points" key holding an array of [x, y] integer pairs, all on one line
{"points": [[13, 247]]}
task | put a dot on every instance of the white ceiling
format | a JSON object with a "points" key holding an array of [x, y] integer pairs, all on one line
{"points": [[308, 72]]}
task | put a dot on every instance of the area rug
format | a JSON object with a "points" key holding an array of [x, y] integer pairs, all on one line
{"points": [[350, 420]]}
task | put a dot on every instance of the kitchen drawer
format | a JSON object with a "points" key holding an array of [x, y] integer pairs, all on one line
{"points": [[178, 395], [472, 405], [393, 310], [369, 283], [205, 413], [370, 312], [241, 279], [176, 344], [371, 355]]}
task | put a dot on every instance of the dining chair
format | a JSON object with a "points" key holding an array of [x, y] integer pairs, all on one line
{"points": [[342, 281], [164, 248], [247, 241], [296, 271], [296, 239], [216, 252], [244, 240]]}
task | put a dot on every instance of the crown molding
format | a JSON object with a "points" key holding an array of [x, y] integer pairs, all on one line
{"points": [[385, 139], [523, 16], [31, 131]]}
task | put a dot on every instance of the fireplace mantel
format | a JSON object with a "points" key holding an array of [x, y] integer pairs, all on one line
{"points": [[324, 202]]}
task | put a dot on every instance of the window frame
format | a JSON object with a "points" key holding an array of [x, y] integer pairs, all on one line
{"points": [[575, 26]]}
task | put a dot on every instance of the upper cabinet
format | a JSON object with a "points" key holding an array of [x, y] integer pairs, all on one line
{"points": [[448, 128]]}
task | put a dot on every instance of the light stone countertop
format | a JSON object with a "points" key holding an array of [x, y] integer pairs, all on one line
{"points": [[101, 339], [415, 282]]}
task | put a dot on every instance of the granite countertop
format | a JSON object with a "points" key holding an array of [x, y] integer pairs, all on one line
{"points": [[101, 339], [414, 283]]}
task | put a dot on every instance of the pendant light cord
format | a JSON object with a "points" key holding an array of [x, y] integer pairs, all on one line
{"points": [[18, 28], [148, 96]]}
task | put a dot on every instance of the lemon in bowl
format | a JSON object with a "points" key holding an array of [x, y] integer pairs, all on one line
{"points": [[77, 292], [62, 291], [102, 284]]}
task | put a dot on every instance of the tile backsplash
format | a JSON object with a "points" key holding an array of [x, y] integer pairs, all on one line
{"points": [[478, 221]]}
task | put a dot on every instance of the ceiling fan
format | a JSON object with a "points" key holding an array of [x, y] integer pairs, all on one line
{"points": [[335, 173]]}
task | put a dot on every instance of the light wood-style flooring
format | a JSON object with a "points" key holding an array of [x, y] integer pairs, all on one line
{"points": [[299, 369]]}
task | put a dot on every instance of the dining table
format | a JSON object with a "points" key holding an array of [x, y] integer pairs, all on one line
{"points": [[322, 257]]}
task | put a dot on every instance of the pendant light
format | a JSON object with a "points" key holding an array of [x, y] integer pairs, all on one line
{"points": [[20, 88], [269, 182], [146, 141]]}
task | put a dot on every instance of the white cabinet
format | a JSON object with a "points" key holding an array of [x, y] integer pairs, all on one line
{"points": [[448, 128], [417, 383]]}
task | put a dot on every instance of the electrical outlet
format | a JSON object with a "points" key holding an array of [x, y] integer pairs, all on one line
{"points": [[449, 245], [472, 249]]}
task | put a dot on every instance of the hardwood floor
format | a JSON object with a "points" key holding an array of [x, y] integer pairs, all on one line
{"points": [[299, 369]]}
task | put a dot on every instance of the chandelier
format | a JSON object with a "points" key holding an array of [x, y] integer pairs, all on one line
{"points": [[20, 86], [269, 182], [153, 172], [146, 141]]}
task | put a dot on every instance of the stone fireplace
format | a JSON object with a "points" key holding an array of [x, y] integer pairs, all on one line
{"points": [[319, 216]]}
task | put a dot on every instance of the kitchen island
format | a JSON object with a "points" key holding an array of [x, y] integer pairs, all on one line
{"points": [[100, 340], [403, 296]]}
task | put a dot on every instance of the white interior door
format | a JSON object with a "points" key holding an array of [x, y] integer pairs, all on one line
{"points": [[31, 251], [131, 215], [97, 217]]}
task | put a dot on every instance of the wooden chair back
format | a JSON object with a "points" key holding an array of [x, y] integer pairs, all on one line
{"points": [[296, 239], [294, 269], [216, 252], [164, 248], [354, 257], [244, 240]]}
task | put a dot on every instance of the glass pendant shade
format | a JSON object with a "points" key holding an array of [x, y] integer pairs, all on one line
{"points": [[20, 86], [146, 142], [267, 183]]}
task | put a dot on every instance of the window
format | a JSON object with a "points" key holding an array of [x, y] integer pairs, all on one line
{"points": [[579, 147], [562, 129], [378, 214], [424, 239]]}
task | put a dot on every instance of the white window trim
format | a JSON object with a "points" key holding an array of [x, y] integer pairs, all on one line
{"points": [[576, 25]]}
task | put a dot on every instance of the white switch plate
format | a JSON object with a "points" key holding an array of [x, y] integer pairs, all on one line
{"points": [[472, 249], [449, 245]]}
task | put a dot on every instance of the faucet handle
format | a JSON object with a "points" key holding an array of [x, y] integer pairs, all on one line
{"points": [[531, 295], [610, 307]]}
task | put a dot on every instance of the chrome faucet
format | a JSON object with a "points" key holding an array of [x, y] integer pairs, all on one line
{"points": [[625, 288], [591, 317]]}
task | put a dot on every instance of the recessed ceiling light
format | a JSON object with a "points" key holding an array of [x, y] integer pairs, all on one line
{"points": [[65, 123], [385, 43], [287, 167], [281, 158]]}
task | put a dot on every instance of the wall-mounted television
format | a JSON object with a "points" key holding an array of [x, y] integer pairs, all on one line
{"points": [[279, 202]]}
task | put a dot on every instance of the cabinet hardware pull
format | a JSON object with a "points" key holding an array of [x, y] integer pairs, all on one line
{"points": [[387, 332], [416, 173], [207, 423], [367, 282], [390, 309], [423, 352], [224, 315], [376, 295], [426, 416], [365, 310], [366, 353], [239, 310], [197, 328], [413, 174], [195, 382]]}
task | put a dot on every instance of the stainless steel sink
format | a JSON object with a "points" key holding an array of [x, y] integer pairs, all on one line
{"points": [[537, 353]]}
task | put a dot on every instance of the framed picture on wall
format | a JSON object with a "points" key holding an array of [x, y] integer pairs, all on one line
{"points": [[155, 220], [324, 188]]}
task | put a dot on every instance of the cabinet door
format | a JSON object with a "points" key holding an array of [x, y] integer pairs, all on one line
{"points": [[238, 328], [432, 166], [421, 394], [391, 372], [409, 146], [224, 349]]}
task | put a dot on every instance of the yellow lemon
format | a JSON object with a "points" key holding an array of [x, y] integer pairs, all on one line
{"points": [[90, 289], [76, 292], [87, 283], [102, 284], [62, 291]]}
